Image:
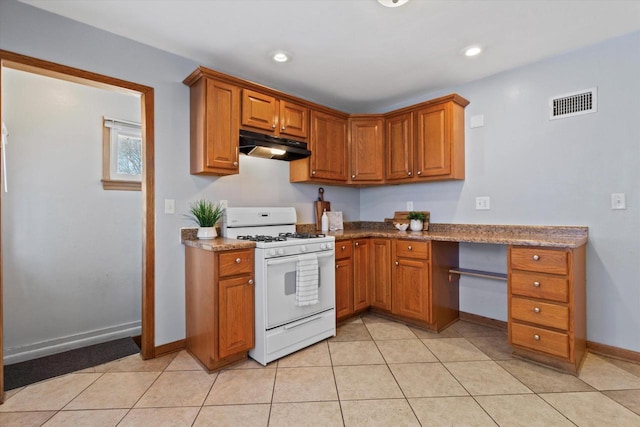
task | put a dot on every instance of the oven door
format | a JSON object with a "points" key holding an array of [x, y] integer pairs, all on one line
{"points": [[280, 286]]}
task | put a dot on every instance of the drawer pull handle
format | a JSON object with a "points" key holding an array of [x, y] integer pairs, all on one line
{"points": [[536, 337], [536, 284], [410, 248], [250, 281], [238, 260], [536, 257], [536, 309]]}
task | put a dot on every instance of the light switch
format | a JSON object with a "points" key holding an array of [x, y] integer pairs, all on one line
{"points": [[618, 201], [169, 206]]}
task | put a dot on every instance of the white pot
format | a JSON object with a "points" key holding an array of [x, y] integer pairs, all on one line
{"points": [[207, 233], [416, 225]]}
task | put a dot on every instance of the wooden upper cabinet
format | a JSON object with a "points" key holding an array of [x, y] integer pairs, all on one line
{"points": [[278, 117], [439, 147], [328, 145], [399, 147], [366, 149], [294, 119], [215, 124], [259, 110]]}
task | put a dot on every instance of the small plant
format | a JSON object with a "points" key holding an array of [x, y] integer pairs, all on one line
{"points": [[205, 213], [417, 216]]}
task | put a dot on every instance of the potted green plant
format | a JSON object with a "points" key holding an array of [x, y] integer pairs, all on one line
{"points": [[417, 220], [206, 214]]}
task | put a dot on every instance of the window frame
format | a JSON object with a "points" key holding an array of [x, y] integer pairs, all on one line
{"points": [[110, 179]]}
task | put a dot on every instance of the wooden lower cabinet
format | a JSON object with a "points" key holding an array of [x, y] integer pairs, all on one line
{"points": [[381, 274], [547, 304], [344, 279], [361, 273], [219, 305], [411, 284]]}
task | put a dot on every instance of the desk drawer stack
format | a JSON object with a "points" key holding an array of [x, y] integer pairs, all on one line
{"points": [[547, 304]]}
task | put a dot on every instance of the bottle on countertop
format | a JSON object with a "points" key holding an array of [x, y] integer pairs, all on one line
{"points": [[325, 221]]}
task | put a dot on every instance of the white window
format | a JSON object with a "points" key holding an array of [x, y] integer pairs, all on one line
{"points": [[122, 155]]}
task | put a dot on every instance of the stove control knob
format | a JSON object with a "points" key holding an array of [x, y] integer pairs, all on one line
{"points": [[330, 245], [303, 248], [272, 252], [280, 251], [323, 246]]}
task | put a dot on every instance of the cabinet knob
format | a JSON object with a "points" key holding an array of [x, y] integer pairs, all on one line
{"points": [[337, 266], [536, 284], [357, 244], [235, 163], [409, 173], [353, 177], [536, 257], [397, 263], [238, 260], [344, 247], [536, 309], [250, 281], [313, 172], [273, 126], [536, 337], [410, 247], [284, 127], [419, 172]]}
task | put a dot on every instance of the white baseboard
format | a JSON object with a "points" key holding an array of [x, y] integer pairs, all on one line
{"points": [[58, 345]]}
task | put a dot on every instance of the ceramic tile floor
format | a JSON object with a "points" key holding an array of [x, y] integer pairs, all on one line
{"points": [[375, 372]]}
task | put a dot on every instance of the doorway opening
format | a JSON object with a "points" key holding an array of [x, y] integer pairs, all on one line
{"points": [[23, 63]]}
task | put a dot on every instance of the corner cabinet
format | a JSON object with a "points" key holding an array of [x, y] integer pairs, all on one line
{"points": [[547, 305], [366, 149], [215, 125], [328, 145], [219, 305]]}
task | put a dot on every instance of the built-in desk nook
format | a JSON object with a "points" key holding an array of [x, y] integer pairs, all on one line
{"points": [[414, 277]]}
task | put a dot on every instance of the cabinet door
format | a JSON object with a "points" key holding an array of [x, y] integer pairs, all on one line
{"points": [[294, 119], [381, 273], [361, 273], [215, 151], [399, 147], [366, 147], [433, 141], [411, 289], [235, 315], [328, 145], [259, 110], [344, 288]]}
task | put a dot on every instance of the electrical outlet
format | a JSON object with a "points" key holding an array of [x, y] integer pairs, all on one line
{"points": [[483, 203], [169, 206], [410, 206], [224, 204], [618, 201]]}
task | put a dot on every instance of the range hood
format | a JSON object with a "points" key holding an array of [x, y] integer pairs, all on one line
{"points": [[270, 147]]}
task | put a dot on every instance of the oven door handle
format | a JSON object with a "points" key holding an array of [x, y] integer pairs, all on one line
{"points": [[302, 322], [292, 258]]}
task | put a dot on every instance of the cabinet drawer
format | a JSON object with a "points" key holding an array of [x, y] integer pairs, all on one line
{"points": [[541, 313], [538, 259], [344, 249], [412, 249], [538, 285], [233, 263], [540, 339]]}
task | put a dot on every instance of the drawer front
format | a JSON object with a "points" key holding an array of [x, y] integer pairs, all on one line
{"points": [[539, 259], [536, 285], [412, 249], [541, 313], [344, 248], [235, 262], [539, 339]]}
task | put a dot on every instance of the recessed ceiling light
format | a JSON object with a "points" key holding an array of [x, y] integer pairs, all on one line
{"points": [[392, 3], [473, 51], [281, 56]]}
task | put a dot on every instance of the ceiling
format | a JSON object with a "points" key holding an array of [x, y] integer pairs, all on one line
{"points": [[356, 55]]}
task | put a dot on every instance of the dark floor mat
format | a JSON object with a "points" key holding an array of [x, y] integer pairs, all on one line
{"points": [[32, 371]]}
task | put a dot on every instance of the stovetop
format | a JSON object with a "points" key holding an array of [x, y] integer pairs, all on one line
{"points": [[281, 237]]}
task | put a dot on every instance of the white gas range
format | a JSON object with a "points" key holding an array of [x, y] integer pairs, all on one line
{"points": [[291, 313]]}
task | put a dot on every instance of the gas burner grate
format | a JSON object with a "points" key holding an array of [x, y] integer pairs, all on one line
{"points": [[262, 238], [301, 235]]}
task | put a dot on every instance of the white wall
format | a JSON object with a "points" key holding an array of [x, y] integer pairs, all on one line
{"points": [[558, 172], [34, 32], [71, 250]]}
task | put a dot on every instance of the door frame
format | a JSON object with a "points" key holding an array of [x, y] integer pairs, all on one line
{"points": [[50, 69]]}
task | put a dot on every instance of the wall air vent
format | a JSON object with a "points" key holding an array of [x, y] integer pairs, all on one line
{"points": [[573, 104]]}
